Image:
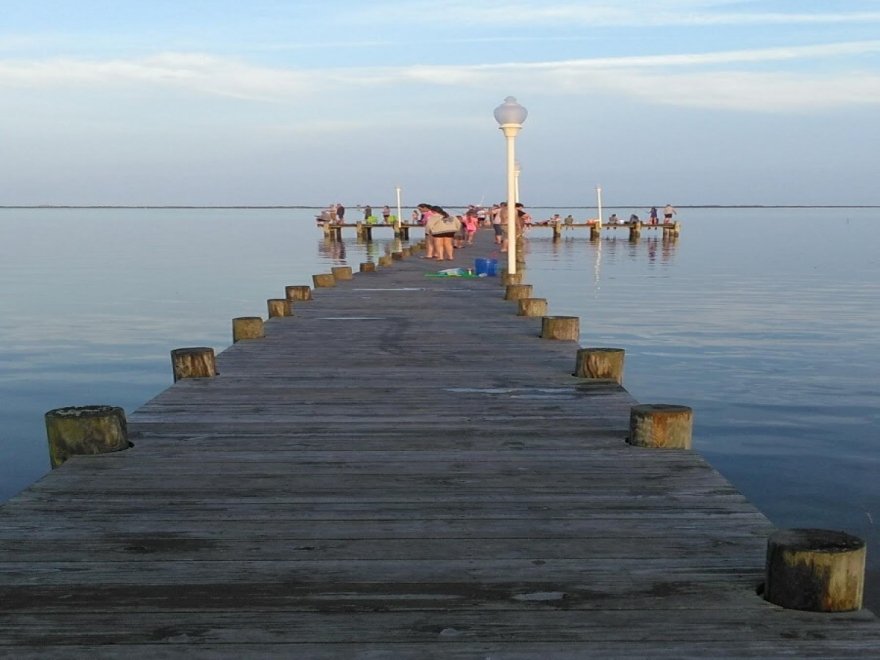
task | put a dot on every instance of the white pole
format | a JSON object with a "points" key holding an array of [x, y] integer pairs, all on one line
{"points": [[516, 171], [399, 215], [599, 202], [511, 202]]}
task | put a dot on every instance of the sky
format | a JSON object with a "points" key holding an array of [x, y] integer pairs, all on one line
{"points": [[271, 102]]}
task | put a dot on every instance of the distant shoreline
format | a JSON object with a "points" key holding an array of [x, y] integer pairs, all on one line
{"points": [[614, 206]]}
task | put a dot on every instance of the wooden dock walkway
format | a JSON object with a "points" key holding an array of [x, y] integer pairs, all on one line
{"points": [[334, 231], [401, 469]]}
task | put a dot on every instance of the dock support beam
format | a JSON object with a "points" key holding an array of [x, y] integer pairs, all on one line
{"points": [[604, 363], [815, 569], [323, 280], [341, 273], [564, 328], [532, 307], [661, 426], [193, 362], [279, 307], [81, 430], [247, 327]]}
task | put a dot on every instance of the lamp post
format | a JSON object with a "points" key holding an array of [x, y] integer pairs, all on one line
{"points": [[399, 216], [510, 116]]}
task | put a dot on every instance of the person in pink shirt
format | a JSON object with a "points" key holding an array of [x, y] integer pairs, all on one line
{"points": [[470, 226]]}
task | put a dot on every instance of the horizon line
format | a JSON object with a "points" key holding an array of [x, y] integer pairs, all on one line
{"points": [[324, 206]]}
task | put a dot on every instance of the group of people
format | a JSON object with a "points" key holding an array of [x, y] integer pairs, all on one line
{"points": [[368, 213], [444, 232], [335, 214], [668, 212]]}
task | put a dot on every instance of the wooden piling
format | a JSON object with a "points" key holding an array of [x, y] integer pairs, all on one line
{"points": [[532, 307], [247, 327], [298, 293], [323, 280], [82, 430], [385, 260], [604, 363], [635, 230], [341, 273], [818, 570], [511, 278], [397, 255], [660, 426], [193, 362], [517, 291], [367, 267], [595, 231], [565, 328], [279, 307]]}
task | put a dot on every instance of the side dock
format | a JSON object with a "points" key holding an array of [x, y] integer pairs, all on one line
{"points": [[403, 467]]}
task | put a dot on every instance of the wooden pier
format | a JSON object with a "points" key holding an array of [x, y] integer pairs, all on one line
{"points": [[403, 468], [334, 231]]}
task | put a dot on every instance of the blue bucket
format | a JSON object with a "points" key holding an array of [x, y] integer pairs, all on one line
{"points": [[481, 266], [492, 270]]}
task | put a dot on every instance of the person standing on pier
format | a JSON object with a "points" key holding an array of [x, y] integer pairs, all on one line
{"points": [[668, 212], [340, 213], [443, 228], [386, 212], [368, 211], [653, 214], [497, 223], [431, 244]]}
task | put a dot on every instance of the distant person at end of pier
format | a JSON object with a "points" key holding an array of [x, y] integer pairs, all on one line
{"points": [[340, 214], [368, 211], [385, 213], [653, 215], [668, 212], [633, 218], [568, 222], [613, 219]]}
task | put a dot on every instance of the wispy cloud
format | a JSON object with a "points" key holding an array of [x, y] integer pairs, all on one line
{"points": [[700, 79], [641, 13]]}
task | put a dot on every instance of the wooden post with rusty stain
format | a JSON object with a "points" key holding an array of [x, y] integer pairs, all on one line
{"points": [[300, 293], [818, 570], [341, 273], [85, 430], [603, 363], [279, 307], [247, 327], [661, 426], [563, 328], [595, 231], [367, 267], [323, 280], [385, 260], [193, 362], [532, 307]]}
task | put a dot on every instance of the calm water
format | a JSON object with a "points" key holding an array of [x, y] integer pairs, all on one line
{"points": [[765, 321]]}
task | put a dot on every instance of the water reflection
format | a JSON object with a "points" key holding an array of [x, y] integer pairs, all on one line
{"points": [[332, 250]]}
